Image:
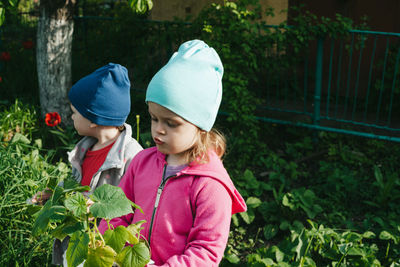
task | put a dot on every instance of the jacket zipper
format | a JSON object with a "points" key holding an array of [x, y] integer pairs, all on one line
{"points": [[159, 191]]}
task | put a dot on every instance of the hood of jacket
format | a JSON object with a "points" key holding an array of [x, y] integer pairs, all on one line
{"points": [[213, 169]]}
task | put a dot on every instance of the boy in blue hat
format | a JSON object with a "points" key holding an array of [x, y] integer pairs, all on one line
{"points": [[100, 103]]}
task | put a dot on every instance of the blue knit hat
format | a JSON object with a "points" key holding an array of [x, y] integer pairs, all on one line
{"points": [[190, 84], [103, 97]]}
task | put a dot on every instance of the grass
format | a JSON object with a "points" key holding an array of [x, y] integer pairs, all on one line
{"points": [[24, 169]]}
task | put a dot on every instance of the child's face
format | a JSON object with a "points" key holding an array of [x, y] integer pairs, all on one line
{"points": [[81, 124], [172, 134]]}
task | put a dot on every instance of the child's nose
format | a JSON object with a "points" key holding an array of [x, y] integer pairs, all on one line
{"points": [[160, 129]]}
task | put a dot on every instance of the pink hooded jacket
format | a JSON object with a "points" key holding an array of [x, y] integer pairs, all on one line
{"points": [[187, 216]]}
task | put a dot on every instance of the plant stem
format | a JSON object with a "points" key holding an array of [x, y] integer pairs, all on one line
{"points": [[97, 230], [137, 127]]}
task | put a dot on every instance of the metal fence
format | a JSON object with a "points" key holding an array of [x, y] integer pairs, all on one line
{"points": [[348, 86]]}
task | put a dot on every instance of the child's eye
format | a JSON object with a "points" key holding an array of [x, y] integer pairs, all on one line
{"points": [[153, 119], [172, 124]]}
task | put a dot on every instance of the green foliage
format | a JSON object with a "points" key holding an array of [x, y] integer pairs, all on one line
{"points": [[339, 189], [229, 29], [141, 6], [67, 213], [24, 170], [331, 203], [17, 119]]}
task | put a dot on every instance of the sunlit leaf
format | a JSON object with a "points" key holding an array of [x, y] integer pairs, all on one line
{"points": [[13, 2], [18, 138], [368, 234], [232, 258], [135, 229], [253, 202], [100, 257], [248, 216], [77, 204], [355, 252], [136, 256], [385, 235], [150, 4], [118, 237], [110, 202]]}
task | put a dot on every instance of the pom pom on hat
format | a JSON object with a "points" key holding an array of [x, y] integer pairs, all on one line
{"points": [[103, 97], [190, 84]]}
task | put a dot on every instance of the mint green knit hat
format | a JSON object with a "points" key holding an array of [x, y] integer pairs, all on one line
{"points": [[190, 84]]}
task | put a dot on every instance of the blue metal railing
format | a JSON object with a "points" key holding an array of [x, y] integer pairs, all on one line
{"points": [[353, 88]]}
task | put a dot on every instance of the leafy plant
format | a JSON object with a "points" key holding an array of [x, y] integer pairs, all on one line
{"points": [[23, 171], [67, 213], [387, 189], [17, 119]]}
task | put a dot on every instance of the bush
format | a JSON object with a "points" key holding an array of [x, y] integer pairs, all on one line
{"points": [[24, 171]]}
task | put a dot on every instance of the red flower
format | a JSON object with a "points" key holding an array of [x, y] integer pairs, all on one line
{"points": [[52, 119], [1, 79], [27, 44], [5, 56]]}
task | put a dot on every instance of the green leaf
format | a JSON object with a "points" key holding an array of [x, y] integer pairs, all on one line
{"points": [[110, 202], [77, 204], [379, 176], [355, 252], [253, 202], [32, 209], [368, 234], [18, 138], [149, 4], [58, 194], [300, 246], [13, 2], [286, 202], [68, 226], [385, 235], [136, 256], [247, 216], [118, 237], [51, 181], [139, 6], [100, 257], [285, 225], [232, 258], [268, 262], [270, 231], [307, 197], [343, 248], [71, 185], [77, 248], [42, 220], [46, 214]]}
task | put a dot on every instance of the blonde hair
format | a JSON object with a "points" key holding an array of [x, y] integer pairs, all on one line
{"points": [[205, 141]]}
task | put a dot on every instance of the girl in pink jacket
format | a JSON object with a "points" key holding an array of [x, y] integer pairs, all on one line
{"points": [[181, 184]]}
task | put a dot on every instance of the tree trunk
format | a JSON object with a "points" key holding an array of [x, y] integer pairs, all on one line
{"points": [[53, 56]]}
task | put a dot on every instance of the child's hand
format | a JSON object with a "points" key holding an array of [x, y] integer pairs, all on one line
{"points": [[89, 203], [40, 198]]}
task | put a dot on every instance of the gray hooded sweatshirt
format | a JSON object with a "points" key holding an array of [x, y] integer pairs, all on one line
{"points": [[110, 172]]}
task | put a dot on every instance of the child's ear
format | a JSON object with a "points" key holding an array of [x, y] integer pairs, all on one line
{"points": [[93, 125]]}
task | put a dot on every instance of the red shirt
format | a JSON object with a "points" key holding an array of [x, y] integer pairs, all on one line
{"points": [[92, 162]]}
